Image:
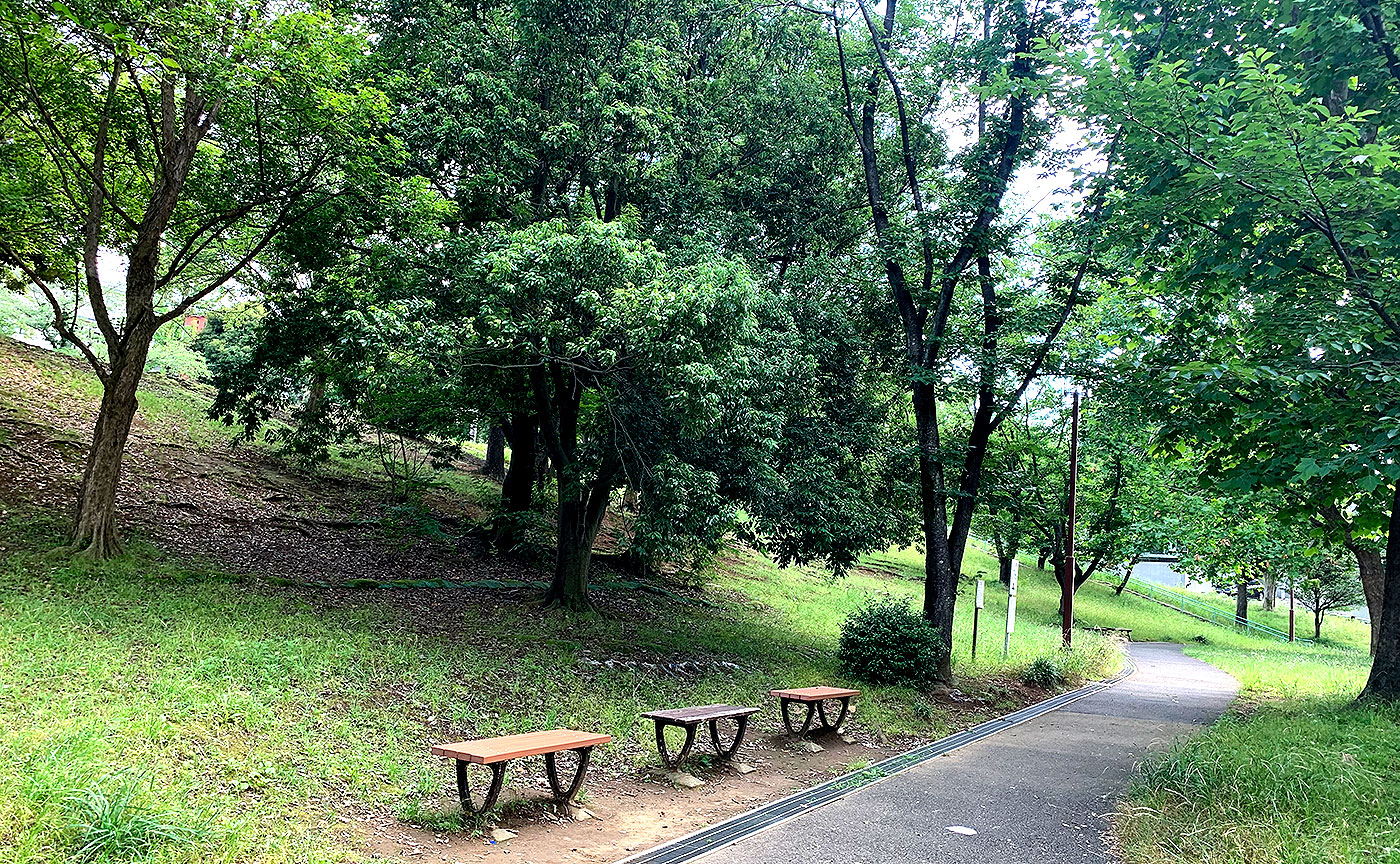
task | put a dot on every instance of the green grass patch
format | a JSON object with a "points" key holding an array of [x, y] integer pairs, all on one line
{"points": [[1296, 774]]}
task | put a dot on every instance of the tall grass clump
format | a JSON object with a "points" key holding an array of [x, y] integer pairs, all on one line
{"points": [[113, 825]]}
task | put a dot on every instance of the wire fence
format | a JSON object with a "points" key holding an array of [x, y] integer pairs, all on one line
{"points": [[1209, 612]]}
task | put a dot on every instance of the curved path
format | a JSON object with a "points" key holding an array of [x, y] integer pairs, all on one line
{"points": [[1038, 792]]}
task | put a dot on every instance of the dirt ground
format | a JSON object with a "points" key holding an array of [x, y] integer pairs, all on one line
{"points": [[632, 813]]}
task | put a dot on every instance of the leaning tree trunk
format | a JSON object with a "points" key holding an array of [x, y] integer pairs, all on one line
{"points": [[1384, 683], [1127, 574], [1372, 568], [95, 520], [494, 465], [1317, 624]]}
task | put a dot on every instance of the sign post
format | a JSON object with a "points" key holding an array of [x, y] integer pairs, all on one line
{"points": [[1011, 607], [977, 613]]}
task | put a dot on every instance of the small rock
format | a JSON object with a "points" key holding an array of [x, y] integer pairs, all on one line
{"points": [[501, 835], [744, 768], [684, 779], [849, 739], [579, 814], [808, 747]]}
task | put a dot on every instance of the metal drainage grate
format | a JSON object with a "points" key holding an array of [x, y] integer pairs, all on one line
{"points": [[707, 840]]}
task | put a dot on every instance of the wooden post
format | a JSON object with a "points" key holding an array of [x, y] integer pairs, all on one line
{"points": [[1067, 586]]}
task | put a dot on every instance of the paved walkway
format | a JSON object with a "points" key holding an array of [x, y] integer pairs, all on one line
{"points": [[1038, 792]]}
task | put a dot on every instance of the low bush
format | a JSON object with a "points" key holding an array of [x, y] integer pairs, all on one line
{"points": [[886, 642], [1043, 672]]}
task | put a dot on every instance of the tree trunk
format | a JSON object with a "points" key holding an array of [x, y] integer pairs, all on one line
{"points": [[315, 401], [494, 465], [541, 467], [517, 489], [95, 519], [1317, 624], [1042, 558], [1127, 574], [940, 580], [581, 511], [1270, 588], [1372, 568], [1384, 683], [1242, 602], [1004, 568]]}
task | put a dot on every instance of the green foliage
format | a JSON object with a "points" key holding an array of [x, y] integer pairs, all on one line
{"points": [[887, 642]]}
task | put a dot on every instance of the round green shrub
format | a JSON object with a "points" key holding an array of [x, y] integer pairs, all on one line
{"points": [[886, 642]]}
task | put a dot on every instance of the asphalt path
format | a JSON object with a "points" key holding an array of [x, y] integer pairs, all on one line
{"points": [[1038, 792]]}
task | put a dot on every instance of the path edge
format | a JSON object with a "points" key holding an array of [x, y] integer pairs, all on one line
{"points": [[713, 837]]}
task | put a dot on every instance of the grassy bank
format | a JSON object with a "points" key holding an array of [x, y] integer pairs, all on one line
{"points": [[1295, 774], [250, 718]]}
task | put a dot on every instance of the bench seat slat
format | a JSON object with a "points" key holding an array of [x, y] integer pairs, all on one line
{"points": [[700, 713], [486, 751], [814, 694]]}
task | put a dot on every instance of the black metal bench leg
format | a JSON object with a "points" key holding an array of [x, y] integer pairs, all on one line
{"points": [[552, 772], [787, 718], [685, 748], [841, 718], [742, 723], [493, 792]]}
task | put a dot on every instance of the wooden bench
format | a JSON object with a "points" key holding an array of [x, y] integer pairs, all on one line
{"points": [[690, 719], [815, 699], [496, 752], [1113, 631]]}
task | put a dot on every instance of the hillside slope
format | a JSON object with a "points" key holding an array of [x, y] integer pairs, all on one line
{"points": [[221, 674]]}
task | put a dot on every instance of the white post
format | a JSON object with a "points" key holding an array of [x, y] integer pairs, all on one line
{"points": [[977, 614], [1011, 607]]}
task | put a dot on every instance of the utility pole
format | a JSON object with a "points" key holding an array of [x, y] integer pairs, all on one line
{"points": [[1067, 586]]}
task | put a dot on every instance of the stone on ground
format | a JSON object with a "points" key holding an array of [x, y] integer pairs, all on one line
{"points": [[683, 779]]}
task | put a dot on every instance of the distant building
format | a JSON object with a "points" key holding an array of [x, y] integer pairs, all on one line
{"points": [[196, 323]]}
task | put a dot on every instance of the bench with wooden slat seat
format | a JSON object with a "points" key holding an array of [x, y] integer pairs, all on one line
{"points": [[496, 752], [690, 719], [815, 698]]}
